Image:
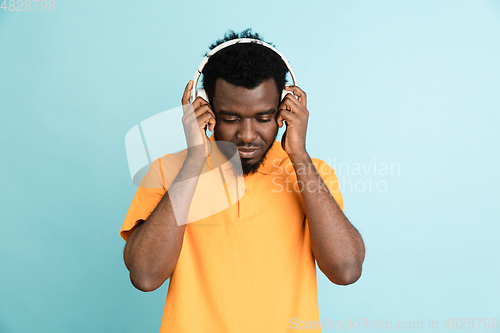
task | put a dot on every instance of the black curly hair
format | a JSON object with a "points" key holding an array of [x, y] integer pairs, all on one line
{"points": [[243, 64]]}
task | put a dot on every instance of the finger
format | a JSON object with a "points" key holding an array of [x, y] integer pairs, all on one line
{"points": [[204, 108], [287, 116], [289, 104], [294, 105], [205, 119], [187, 93], [211, 124], [279, 120], [199, 101], [193, 115], [196, 104], [282, 108], [301, 95]]}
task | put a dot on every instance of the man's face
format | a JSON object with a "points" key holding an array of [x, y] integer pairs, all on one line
{"points": [[247, 118]]}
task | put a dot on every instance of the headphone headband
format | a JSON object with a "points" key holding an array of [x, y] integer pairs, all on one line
{"points": [[232, 42]]}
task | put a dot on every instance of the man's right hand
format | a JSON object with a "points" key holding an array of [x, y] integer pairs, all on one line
{"points": [[197, 116]]}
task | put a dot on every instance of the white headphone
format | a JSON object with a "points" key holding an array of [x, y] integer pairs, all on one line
{"points": [[201, 92]]}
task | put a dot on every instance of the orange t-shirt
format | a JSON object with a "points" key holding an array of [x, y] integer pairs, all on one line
{"points": [[248, 268]]}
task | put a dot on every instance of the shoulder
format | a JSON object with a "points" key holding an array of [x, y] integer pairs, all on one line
{"points": [[170, 165], [323, 168], [163, 170], [327, 173], [174, 160]]}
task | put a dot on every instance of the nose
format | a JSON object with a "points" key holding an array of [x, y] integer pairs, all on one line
{"points": [[246, 132]]}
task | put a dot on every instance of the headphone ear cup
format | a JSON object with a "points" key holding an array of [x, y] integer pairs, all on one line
{"points": [[202, 93], [284, 93]]}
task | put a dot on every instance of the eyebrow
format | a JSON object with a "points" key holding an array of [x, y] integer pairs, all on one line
{"points": [[234, 114]]}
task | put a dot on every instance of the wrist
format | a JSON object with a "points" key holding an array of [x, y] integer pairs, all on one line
{"points": [[197, 153], [301, 156], [196, 158]]}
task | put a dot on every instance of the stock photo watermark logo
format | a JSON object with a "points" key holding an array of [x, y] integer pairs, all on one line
{"points": [[28, 5], [365, 177], [412, 325], [156, 150], [355, 324], [373, 176]]}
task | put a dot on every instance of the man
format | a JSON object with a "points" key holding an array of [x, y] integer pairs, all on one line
{"points": [[250, 267]]}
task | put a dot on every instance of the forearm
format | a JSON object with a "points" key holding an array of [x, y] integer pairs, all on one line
{"points": [[336, 244], [152, 250]]}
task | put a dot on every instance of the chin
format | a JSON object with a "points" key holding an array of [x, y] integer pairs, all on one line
{"points": [[248, 168], [251, 165]]}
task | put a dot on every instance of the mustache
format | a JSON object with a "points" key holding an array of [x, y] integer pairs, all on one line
{"points": [[248, 146]]}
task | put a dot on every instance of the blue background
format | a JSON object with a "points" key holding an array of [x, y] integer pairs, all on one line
{"points": [[413, 83]]}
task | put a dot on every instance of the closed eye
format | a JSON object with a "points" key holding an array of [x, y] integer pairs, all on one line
{"points": [[229, 120], [234, 120]]}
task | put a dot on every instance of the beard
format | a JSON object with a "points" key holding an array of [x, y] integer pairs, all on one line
{"points": [[251, 168], [247, 167]]}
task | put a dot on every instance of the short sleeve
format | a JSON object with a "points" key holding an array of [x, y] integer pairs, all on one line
{"points": [[147, 197], [330, 179]]}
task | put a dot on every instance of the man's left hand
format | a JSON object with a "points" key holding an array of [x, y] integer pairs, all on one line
{"points": [[293, 110]]}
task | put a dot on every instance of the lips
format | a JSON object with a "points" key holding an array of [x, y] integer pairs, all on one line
{"points": [[248, 152]]}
